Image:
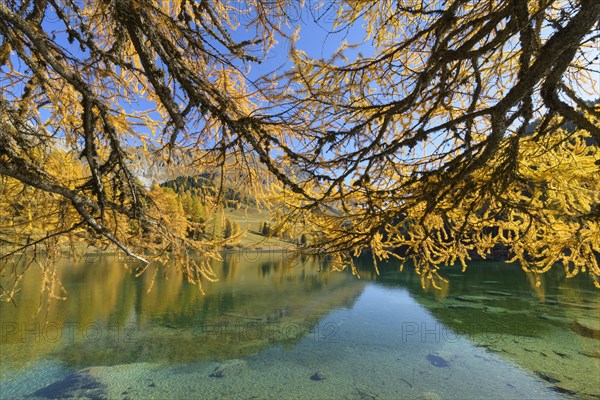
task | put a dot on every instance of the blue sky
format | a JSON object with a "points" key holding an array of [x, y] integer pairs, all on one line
{"points": [[317, 38]]}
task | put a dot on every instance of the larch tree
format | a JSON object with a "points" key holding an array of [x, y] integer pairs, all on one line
{"points": [[471, 126], [425, 144], [94, 79]]}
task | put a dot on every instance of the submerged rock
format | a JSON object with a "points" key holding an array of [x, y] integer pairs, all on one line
{"points": [[546, 377], [81, 385], [437, 360], [562, 390], [587, 327], [561, 355], [590, 354], [228, 367], [318, 376]]}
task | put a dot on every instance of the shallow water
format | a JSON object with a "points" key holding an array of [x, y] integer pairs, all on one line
{"points": [[276, 329]]}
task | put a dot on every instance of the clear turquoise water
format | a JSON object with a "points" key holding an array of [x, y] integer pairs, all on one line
{"points": [[275, 329]]}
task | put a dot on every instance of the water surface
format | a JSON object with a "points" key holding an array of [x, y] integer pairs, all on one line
{"points": [[271, 328]]}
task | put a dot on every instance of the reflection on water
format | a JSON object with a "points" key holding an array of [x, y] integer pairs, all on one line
{"points": [[111, 317], [271, 328]]}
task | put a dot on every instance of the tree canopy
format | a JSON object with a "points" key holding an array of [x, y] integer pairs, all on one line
{"points": [[443, 132]]}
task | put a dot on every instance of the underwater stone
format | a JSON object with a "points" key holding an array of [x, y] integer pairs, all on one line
{"points": [[590, 354], [228, 367], [437, 360], [561, 355], [318, 376], [586, 327], [81, 385], [546, 377], [562, 390]]}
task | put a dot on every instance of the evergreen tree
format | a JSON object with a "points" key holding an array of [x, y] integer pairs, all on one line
{"points": [[228, 230]]}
